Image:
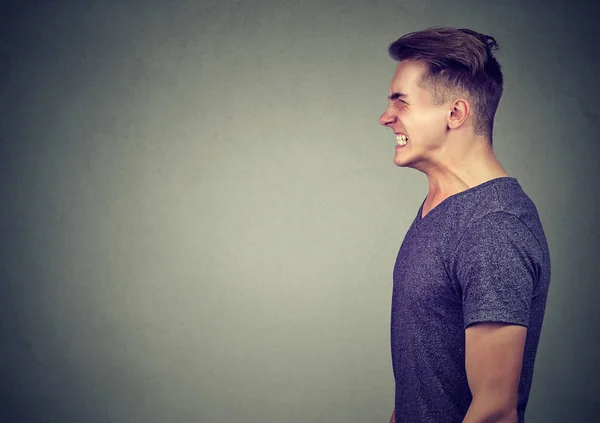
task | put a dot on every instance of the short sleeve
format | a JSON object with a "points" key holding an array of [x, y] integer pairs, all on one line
{"points": [[496, 264]]}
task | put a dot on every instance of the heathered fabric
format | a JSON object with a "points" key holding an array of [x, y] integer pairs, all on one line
{"points": [[479, 256]]}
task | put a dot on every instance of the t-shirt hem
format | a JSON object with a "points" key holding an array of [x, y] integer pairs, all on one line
{"points": [[500, 316]]}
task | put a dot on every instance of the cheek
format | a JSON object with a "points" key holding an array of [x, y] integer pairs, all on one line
{"points": [[429, 122], [415, 123]]}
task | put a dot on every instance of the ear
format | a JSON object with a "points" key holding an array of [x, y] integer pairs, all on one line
{"points": [[459, 111]]}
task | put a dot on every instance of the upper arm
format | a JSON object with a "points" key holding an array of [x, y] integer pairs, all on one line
{"points": [[493, 360], [496, 266]]}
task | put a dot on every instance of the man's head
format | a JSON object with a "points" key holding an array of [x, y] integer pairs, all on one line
{"points": [[447, 79]]}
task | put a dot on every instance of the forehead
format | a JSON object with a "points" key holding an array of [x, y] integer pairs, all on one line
{"points": [[407, 77]]}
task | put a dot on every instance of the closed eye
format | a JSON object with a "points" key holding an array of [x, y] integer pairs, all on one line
{"points": [[397, 98], [399, 102]]}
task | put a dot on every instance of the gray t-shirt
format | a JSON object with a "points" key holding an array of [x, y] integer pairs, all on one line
{"points": [[479, 256]]}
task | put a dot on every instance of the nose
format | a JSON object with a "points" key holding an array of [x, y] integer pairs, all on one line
{"points": [[387, 119]]}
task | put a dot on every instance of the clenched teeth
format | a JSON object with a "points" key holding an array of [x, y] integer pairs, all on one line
{"points": [[401, 139]]}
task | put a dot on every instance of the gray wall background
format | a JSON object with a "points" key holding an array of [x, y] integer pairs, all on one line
{"points": [[200, 213]]}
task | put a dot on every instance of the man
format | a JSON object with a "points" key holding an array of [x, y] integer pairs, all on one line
{"points": [[472, 275]]}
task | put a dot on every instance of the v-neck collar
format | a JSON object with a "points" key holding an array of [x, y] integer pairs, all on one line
{"points": [[452, 197]]}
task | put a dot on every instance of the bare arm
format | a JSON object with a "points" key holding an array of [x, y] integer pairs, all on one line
{"points": [[493, 359]]}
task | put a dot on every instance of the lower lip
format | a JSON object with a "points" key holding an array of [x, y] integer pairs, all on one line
{"points": [[398, 147]]}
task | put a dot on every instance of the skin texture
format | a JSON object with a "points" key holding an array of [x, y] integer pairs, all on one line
{"points": [[494, 355], [443, 145]]}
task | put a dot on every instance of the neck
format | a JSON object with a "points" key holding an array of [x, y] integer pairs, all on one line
{"points": [[460, 168]]}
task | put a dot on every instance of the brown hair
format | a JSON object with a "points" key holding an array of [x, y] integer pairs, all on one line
{"points": [[457, 60]]}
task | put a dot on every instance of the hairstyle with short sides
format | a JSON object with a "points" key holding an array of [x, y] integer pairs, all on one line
{"points": [[457, 61]]}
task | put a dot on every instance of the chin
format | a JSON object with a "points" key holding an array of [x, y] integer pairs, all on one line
{"points": [[401, 161], [410, 158]]}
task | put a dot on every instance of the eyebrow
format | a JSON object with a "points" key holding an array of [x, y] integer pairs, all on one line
{"points": [[396, 96]]}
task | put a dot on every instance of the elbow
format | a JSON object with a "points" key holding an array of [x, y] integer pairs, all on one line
{"points": [[504, 415], [491, 412]]}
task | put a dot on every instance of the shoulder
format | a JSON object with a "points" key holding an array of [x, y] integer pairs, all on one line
{"points": [[497, 230], [497, 243], [501, 209]]}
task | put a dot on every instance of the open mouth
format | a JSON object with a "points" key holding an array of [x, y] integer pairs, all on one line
{"points": [[402, 140]]}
